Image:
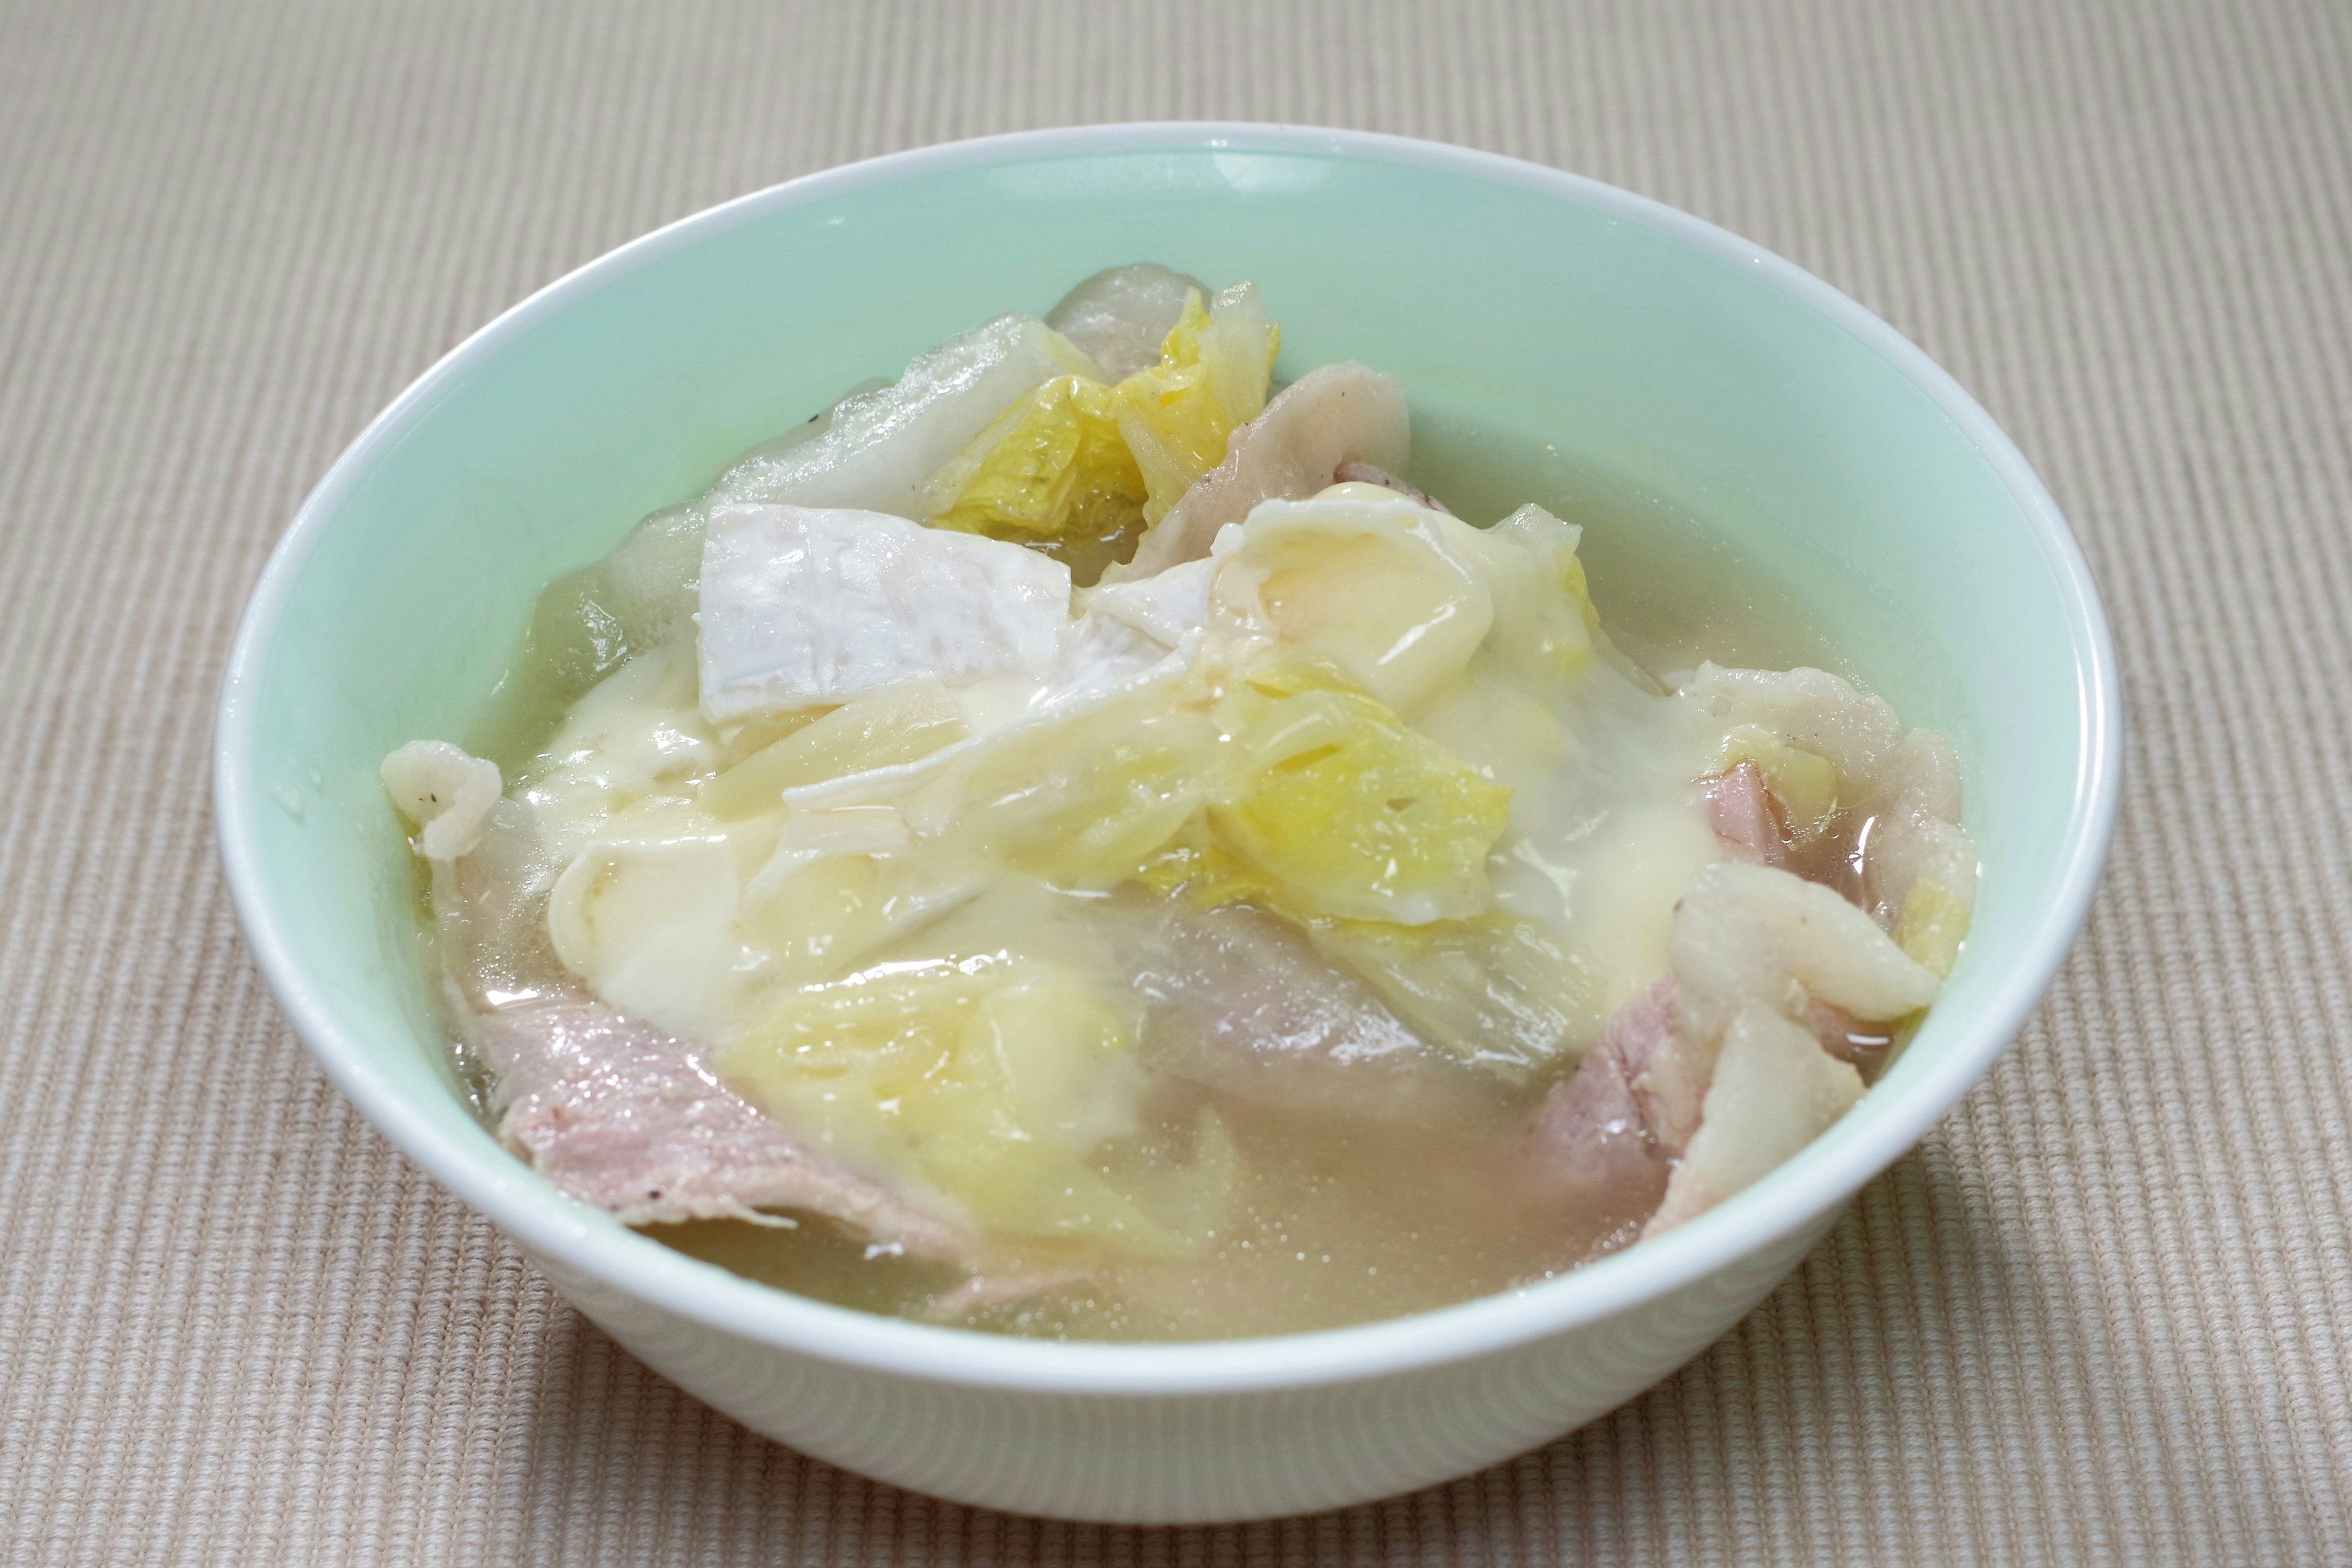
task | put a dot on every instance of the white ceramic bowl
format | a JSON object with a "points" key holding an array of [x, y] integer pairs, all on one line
{"points": [[1628, 341]]}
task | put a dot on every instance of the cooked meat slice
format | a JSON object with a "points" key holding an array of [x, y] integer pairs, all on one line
{"points": [[1744, 812], [1602, 1145], [626, 1117], [1237, 1002], [1338, 413]]}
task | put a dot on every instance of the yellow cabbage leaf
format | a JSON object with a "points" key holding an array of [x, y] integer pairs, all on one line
{"points": [[1213, 374], [994, 1082], [1080, 803], [1194, 866], [1077, 468], [833, 914], [1347, 812], [1053, 471], [896, 724]]}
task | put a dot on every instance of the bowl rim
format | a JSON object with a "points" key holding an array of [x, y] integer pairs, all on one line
{"points": [[559, 1230]]}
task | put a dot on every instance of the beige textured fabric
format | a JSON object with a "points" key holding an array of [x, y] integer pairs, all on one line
{"points": [[2101, 1315]]}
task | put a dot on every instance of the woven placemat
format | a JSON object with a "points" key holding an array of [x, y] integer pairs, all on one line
{"points": [[2100, 1315]]}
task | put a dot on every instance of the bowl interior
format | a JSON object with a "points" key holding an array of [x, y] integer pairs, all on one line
{"points": [[1630, 349]]}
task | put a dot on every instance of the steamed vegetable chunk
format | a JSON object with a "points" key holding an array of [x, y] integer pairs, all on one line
{"points": [[1053, 471], [1078, 823], [983, 1085], [1347, 812], [874, 450], [1079, 466]]}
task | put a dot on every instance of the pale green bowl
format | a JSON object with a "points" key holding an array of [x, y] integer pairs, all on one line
{"points": [[1658, 356]]}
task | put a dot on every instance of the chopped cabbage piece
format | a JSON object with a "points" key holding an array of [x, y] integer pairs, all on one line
{"points": [[878, 448], [1935, 920], [1054, 472], [1505, 994], [1211, 376], [586, 624], [992, 1082], [804, 835], [825, 916], [1076, 467], [635, 734], [1083, 802], [1371, 584], [650, 925], [1194, 866], [1546, 623], [1237, 350], [896, 724], [1347, 812]]}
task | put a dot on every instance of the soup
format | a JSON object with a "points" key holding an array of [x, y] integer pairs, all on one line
{"points": [[1076, 841]]}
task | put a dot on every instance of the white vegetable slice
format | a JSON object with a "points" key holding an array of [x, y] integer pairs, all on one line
{"points": [[879, 446], [445, 791], [803, 606], [810, 835], [1237, 350]]}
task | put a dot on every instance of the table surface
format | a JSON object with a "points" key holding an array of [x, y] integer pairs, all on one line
{"points": [[2099, 1315]]}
